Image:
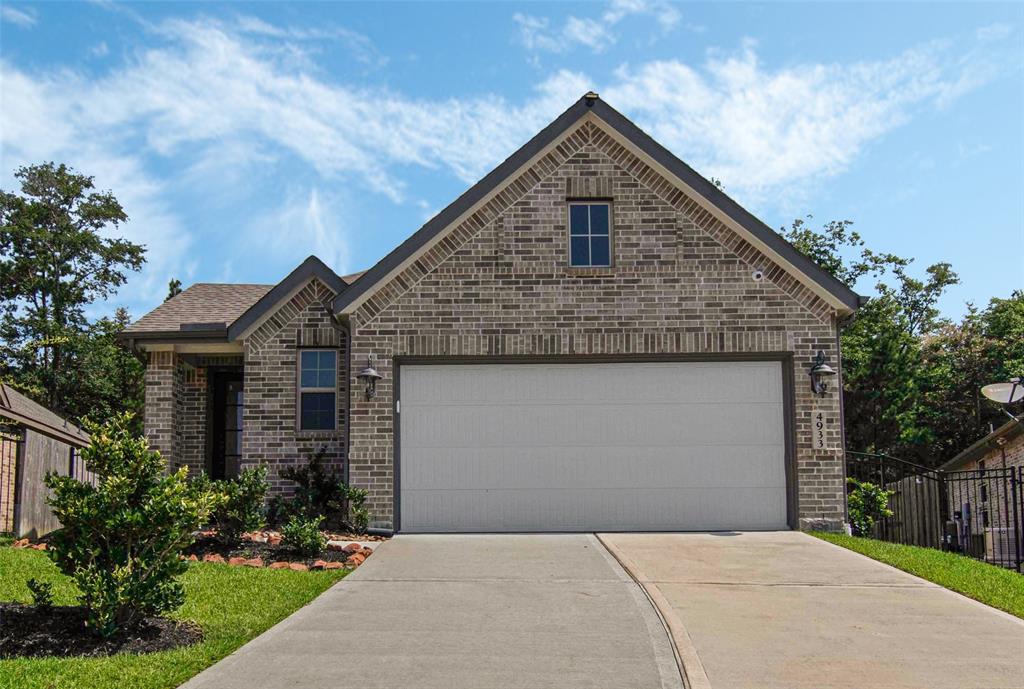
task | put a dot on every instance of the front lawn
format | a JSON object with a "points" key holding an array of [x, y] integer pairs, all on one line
{"points": [[232, 604], [996, 586]]}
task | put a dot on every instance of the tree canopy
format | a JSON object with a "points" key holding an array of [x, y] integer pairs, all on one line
{"points": [[911, 378], [60, 253]]}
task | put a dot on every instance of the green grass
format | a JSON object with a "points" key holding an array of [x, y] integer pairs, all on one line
{"points": [[232, 604], [996, 586]]}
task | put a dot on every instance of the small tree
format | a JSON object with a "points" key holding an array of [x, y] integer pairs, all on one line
{"points": [[867, 504], [121, 539]]}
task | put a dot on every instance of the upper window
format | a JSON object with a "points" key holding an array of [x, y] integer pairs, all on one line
{"points": [[318, 376], [590, 242]]}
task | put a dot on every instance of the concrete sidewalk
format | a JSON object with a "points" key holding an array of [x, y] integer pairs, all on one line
{"points": [[788, 611], [524, 611]]}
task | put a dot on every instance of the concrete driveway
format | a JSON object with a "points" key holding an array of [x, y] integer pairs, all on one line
{"points": [[787, 611], [475, 612]]}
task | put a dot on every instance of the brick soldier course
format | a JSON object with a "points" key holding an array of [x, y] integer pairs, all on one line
{"points": [[489, 277]]}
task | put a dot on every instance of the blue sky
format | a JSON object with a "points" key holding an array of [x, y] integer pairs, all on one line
{"points": [[243, 137]]}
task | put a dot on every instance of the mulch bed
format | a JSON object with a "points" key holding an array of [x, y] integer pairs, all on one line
{"points": [[28, 631], [207, 545]]}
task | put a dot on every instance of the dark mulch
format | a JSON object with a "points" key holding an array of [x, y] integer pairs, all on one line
{"points": [[34, 632], [268, 553]]}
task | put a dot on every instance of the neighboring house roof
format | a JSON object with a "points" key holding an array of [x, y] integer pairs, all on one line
{"points": [[311, 268], [202, 310], [843, 297], [20, 409], [1010, 429]]}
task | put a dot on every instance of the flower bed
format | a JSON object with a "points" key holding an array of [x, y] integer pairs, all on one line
{"points": [[266, 549]]}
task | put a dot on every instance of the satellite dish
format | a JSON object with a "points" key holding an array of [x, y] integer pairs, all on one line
{"points": [[1005, 393]]}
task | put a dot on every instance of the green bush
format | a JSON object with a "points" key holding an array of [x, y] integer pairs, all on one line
{"points": [[867, 504], [121, 539], [303, 535], [42, 592], [316, 491], [320, 491], [358, 515], [242, 507]]}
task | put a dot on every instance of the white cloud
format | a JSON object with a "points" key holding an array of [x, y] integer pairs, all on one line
{"points": [[307, 222], [216, 102], [770, 132], [596, 33], [23, 18]]}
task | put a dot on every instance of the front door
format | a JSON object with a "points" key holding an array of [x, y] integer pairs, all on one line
{"points": [[226, 424]]}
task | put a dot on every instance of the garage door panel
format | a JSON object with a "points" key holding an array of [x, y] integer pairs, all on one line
{"points": [[623, 425], [586, 467], [593, 510], [563, 447]]}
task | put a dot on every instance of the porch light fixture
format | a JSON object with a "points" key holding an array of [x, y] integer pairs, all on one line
{"points": [[369, 377], [820, 373]]}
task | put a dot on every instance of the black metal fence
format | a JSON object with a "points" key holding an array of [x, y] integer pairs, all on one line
{"points": [[977, 512]]}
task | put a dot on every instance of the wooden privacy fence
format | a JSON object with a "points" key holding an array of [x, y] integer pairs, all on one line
{"points": [[33, 442]]}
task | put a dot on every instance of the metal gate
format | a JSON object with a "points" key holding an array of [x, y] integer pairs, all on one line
{"points": [[978, 512]]}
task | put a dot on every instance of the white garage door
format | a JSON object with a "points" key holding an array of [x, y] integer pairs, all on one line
{"points": [[590, 447]]}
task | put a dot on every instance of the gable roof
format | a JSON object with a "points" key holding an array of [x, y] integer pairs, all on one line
{"points": [[22, 410], [978, 450], [841, 297], [311, 268], [201, 310]]}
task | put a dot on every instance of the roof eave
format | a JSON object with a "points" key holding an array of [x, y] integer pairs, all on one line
{"points": [[311, 268], [978, 449]]}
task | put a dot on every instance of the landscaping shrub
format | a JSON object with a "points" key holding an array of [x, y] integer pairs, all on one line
{"points": [[358, 515], [121, 539], [42, 592], [303, 535], [242, 506], [867, 504], [317, 490]]}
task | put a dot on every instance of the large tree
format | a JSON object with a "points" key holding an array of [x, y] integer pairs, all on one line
{"points": [[59, 253], [884, 376]]}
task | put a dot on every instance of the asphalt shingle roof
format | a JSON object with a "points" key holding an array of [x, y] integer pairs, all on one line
{"points": [[204, 302]]}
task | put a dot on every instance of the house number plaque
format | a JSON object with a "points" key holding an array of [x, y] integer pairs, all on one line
{"points": [[820, 426]]}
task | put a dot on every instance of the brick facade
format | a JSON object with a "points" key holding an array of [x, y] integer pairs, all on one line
{"points": [[681, 283], [271, 434]]}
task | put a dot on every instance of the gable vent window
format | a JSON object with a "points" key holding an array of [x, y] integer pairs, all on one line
{"points": [[318, 394], [590, 241]]}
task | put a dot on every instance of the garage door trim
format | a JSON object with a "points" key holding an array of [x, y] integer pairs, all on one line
{"points": [[788, 400]]}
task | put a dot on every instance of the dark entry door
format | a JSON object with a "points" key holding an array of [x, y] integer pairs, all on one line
{"points": [[226, 424]]}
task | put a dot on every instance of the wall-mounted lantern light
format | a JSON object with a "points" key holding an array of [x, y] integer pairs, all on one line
{"points": [[369, 377], [820, 374]]}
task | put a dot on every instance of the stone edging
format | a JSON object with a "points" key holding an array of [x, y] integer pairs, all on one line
{"points": [[694, 676]]}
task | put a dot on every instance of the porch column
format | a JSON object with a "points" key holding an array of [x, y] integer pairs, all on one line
{"points": [[159, 419]]}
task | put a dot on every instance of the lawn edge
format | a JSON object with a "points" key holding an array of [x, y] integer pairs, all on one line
{"points": [[1008, 615]]}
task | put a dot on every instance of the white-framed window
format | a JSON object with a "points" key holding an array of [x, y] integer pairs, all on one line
{"points": [[590, 234], [318, 389]]}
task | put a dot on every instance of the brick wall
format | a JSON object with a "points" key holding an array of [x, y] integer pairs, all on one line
{"points": [[271, 433], [160, 410], [498, 284]]}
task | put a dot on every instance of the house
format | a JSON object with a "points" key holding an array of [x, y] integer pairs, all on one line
{"points": [[985, 488], [592, 337]]}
